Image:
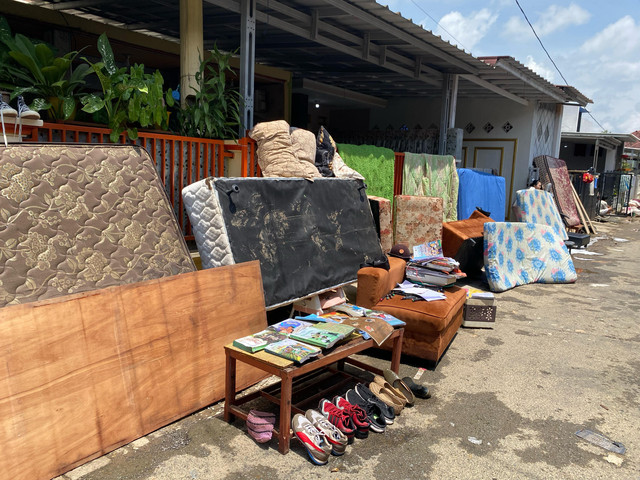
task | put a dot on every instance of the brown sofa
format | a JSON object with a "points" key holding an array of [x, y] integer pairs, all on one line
{"points": [[430, 325], [463, 241]]}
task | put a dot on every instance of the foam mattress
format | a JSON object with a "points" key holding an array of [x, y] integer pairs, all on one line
{"points": [[80, 217], [308, 236], [521, 253], [537, 206], [554, 171], [479, 189]]}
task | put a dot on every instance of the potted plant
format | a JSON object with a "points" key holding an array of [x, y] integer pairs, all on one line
{"points": [[130, 98], [51, 80], [214, 109]]}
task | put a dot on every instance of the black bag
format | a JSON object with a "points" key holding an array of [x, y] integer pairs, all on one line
{"points": [[325, 150]]}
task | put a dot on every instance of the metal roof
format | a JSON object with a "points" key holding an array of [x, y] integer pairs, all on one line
{"points": [[356, 45], [607, 140]]}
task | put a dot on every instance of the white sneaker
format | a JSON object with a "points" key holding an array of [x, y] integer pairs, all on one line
{"points": [[6, 110]]}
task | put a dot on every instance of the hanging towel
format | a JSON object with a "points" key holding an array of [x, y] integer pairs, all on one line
{"points": [[432, 176]]}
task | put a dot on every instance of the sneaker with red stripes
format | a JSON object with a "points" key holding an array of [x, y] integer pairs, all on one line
{"points": [[312, 439], [332, 434], [338, 417], [357, 414]]}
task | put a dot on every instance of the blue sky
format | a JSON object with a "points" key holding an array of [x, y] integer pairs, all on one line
{"points": [[595, 44]]}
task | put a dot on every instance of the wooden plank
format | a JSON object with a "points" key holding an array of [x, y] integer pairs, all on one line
{"points": [[84, 374]]}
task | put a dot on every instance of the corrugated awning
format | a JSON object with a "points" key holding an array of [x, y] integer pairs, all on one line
{"points": [[356, 45]]}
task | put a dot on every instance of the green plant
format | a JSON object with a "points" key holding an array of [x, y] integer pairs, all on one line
{"points": [[36, 70], [130, 98], [214, 109]]}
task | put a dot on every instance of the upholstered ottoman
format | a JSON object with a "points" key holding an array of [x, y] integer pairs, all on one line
{"points": [[430, 325]]}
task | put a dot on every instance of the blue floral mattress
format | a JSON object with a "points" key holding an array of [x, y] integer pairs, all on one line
{"points": [[520, 253], [537, 206]]}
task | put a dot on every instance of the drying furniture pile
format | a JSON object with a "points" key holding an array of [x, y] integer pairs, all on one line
{"points": [[107, 332]]}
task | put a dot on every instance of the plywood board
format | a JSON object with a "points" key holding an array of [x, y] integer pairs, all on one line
{"points": [[84, 374]]}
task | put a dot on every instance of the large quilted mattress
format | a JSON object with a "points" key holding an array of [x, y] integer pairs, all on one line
{"points": [[479, 189], [308, 236], [80, 217], [537, 206], [554, 171], [521, 253]]}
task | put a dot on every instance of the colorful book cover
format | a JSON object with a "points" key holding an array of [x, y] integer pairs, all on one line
{"points": [[350, 309], [289, 326], [317, 336], [341, 328], [293, 350], [258, 341], [390, 319], [250, 343]]}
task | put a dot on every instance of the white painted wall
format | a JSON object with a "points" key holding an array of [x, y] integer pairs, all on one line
{"points": [[524, 122]]}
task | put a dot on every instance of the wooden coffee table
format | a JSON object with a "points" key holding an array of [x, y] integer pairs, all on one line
{"points": [[288, 371]]}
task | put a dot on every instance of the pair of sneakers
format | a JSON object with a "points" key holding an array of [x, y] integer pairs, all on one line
{"points": [[7, 111], [319, 437], [349, 418]]}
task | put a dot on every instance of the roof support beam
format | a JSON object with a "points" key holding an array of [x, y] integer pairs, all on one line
{"points": [[396, 32], [495, 89], [306, 33]]}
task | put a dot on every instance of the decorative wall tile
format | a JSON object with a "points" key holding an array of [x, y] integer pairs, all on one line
{"points": [[487, 127], [507, 127], [470, 127]]}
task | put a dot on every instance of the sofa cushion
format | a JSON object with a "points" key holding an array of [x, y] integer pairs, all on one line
{"points": [[374, 283], [426, 318], [417, 219], [275, 152], [381, 209], [304, 145]]}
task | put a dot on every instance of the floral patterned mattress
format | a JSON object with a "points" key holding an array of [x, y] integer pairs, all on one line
{"points": [[537, 206], [81, 217], [521, 253]]}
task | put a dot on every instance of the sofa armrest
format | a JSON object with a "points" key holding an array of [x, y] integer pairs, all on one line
{"points": [[375, 283]]}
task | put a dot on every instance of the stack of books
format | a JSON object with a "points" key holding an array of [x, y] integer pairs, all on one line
{"points": [[437, 271], [294, 339]]}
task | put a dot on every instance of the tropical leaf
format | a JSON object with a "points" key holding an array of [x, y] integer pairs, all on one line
{"points": [[104, 47]]}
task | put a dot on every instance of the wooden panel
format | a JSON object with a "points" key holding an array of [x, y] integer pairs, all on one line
{"points": [[84, 374]]}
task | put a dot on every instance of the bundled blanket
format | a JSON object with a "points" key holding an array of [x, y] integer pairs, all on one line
{"points": [[432, 176]]}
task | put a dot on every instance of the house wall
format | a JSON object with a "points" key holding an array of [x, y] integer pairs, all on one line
{"points": [[498, 133]]}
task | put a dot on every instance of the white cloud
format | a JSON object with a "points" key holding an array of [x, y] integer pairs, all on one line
{"points": [[557, 18], [618, 39], [546, 73], [553, 19], [466, 31], [606, 69]]}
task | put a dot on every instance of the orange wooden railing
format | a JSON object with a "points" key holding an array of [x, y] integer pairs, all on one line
{"points": [[179, 160]]}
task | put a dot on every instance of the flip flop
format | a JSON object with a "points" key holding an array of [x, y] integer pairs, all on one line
{"points": [[399, 384], [421, 391]]}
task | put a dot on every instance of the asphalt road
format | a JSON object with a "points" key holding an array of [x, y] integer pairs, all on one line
{"points": [[560, 358]]}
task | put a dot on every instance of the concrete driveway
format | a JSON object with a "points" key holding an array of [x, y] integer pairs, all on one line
{"points": [[561, 358]]}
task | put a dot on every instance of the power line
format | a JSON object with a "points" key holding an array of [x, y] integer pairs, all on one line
{"points": [[436, 22], [548, 55]]}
